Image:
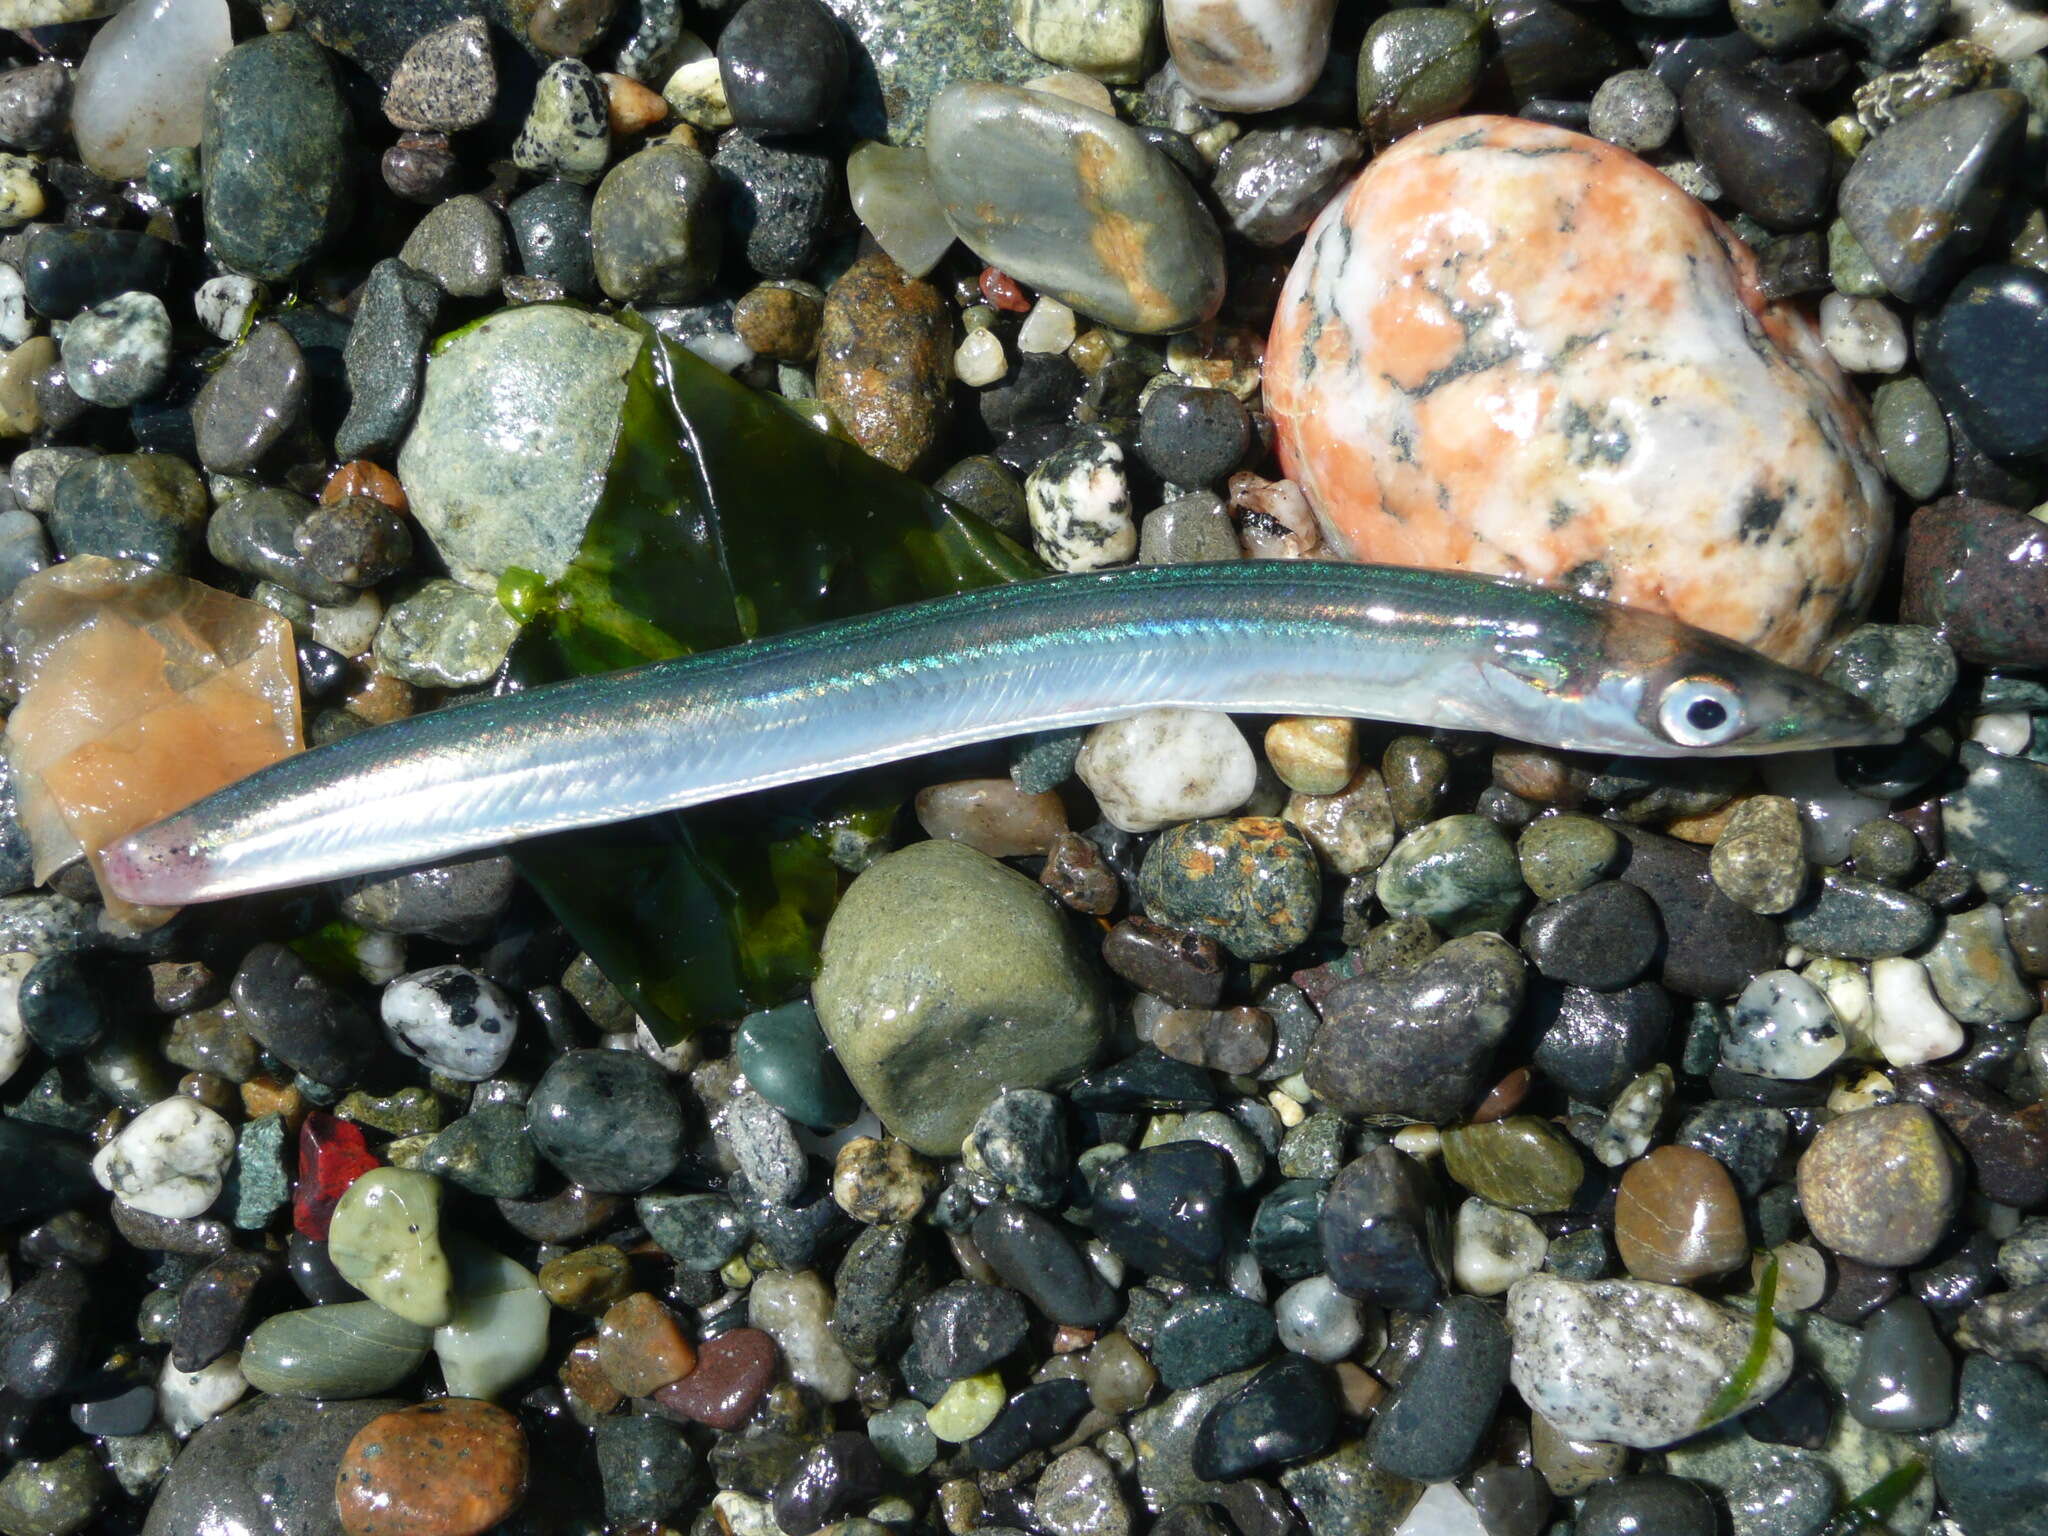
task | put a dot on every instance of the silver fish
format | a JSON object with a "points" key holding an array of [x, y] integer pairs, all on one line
{"points": [[1429, 648]]}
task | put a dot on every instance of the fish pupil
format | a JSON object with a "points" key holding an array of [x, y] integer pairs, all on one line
{"points": [[1706, 714]]}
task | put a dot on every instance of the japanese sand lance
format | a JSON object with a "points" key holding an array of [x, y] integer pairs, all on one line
{"points": [[1427, 648]]}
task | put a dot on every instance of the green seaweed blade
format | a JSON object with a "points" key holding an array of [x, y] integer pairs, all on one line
{"points": [[726, 518]]}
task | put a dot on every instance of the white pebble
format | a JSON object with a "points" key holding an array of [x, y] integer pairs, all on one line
{"points": [[1492, 1248], [14, 1041], [1802, 1276], [677, 1058], [1106, 1262], [348, 628], [142, 83], [1847, 991], [697, 89], [1911, 1027], [16, 325], [1419, 1141], [1163, 766], [2007, 734], [1318, 1320], [795, 1310], [457, 1022], [1080, 506], [1442, 1511], [119, 353], [1866, 1092], [1048, 328], [168, 1160], [2011, 31], [979, 361], [1863, 335], [1071, 85], [223, 304], [187, 1399], [1782, 1028]]}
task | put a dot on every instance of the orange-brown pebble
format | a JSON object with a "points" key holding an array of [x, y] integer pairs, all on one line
{"points": [[379, 699], [1358, 1389], [1678, 1219], [992, 816], [640, 1346], [631, 106], [1704, 829], [453, 1467], [582, 1377], [1544, 777], [359, 477], [1503, 1098], [267, 1096], [1068, 1339]]}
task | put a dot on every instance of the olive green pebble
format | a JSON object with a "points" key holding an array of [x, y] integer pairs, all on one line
{"points": [[1417, 772], [1885, 851], [1781, 26], [1912, 437], [1903, 671], [1850, 268], [1759, 861], [408, 1112], [1418, 65], [1562, 855], [54, 1497], [1521, 1162]]}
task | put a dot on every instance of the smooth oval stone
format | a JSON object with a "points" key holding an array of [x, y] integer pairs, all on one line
{"points": [[435, 1469], [1431, 1428], [1979, 356], [606, 1119], [1072, 202], [1285, 1412], [1670, 1506], [1163, 1209], [733, 1371], [1629, 1361], [655, 227], [1249, 55], [1522, 1162], [1770, 155], [1880, 1185], [1210, 1334], [349, 1349], [1783, 1028], [1678, 1219], [1391, 391], [275, 153], [1905, 1377], [142, 84], [1988, 1463], [946, 977], [1034, 1254]]}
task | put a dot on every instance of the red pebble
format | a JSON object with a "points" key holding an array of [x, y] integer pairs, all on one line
{"points": [[1003, 291], [733, 1371], [332, 1156]]}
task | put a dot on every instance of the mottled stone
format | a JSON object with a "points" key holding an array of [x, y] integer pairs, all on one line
{"points": [[447, 1468], [883, 361], [1880, 1185], [1774, 558], [1241, 56], [1628, 1361], [1252, 884], [277, 182], [655, 228]]}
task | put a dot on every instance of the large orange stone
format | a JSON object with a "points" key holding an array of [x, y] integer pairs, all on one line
{"points": [[141, 692], [452, 1467], [1514, 349]]}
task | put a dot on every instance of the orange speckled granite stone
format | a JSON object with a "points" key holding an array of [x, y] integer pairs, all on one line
{"points": [[1514, 349], [451, 1467]]}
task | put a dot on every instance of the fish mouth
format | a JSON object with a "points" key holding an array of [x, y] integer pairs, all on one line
{"points": [[159, 866]]}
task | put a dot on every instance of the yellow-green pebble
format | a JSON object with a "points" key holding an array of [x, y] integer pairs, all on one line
{"points": [[385, 1240], [969, 1406]]}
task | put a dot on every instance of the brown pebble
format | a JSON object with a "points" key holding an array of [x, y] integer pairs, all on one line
{"points": [[1067, 1339], [1677, 1218], [453, 1467], [379, 699], [1543, 777], [992, 816], [641, 1347], [631, 106], [885, 361], [781, 320], [359, 477], [582, 1377], [1076, 872], [1503, 1098], [587, 1279], [1880, 1185], [878, 1181], [1358, 1389], [733, 1371]]}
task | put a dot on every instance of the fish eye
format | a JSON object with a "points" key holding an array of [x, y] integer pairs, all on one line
{"points": [[1700, 712]]}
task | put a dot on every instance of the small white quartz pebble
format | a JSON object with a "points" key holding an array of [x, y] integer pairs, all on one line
{"points": [[1080, 507], [187, 1399], [348, 628], [223, 304], [1863, 335], [169, 1159], [1847, 990], [457, 1022], [1048, 328], [795, 1310], [16, 324], [697, 88], [979, 361], [1318, 1320], [1782, 1028], [2007, 734], [14, 1041], [1492, 1248], [1153, 769], [1910, 1026], [1442, 1511]]}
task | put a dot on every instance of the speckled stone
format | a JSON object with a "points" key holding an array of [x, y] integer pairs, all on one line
{"points": [[884, 361], [1629, 1361], [1880, 1185], [1251, 883], [1243, 56], [1774, 558], [453, 1467], [276, 183]]}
